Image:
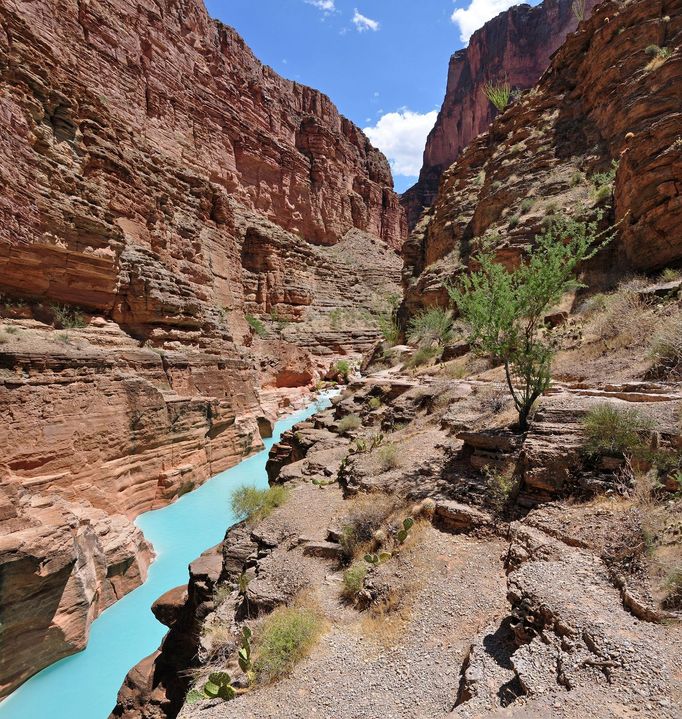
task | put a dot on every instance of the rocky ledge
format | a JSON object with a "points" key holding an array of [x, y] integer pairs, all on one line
{"points": [[525, 607]]}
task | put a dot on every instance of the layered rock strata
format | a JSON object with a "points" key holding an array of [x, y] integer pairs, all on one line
{"points": [[175, 227], [513, 47], [603, 100]]}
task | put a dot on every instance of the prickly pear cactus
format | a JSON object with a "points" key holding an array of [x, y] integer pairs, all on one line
{"points": [[403, 533], [244, 655], [219, 686]]}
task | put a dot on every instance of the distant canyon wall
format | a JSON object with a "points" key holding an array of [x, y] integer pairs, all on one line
{"points": [[515, 46]]}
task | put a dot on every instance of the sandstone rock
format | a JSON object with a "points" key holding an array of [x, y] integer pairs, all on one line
{"points": [[165, 185], [515, 47], [546, 148], [458, 517]]}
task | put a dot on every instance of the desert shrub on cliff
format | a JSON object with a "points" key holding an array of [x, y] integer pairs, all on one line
{"points": [[256, 325], [506, 309], [666, 349], [253, 504], [499, 94], [349, 423], [431, 326], [286, 637], [67, 318], [423, 356], [365, 518], [353, 580], [579, 8], [343, 369], [623, 318], [388, 457], [611, 430]]}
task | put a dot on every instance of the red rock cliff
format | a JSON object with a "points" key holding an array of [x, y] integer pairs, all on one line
{"points": [[515, 46], [603, 100], [159, 186]]}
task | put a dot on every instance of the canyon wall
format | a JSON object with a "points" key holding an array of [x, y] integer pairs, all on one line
{"points": [[607, 101], [515, 46], [186, 240]]}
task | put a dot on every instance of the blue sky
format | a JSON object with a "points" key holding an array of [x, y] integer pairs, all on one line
{"points": [[383, 62]]}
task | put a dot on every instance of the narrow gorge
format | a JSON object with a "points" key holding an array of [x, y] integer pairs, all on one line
{"points": [[481, 516]]}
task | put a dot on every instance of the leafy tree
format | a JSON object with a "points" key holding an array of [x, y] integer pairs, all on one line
{"points": [[505, 309]]}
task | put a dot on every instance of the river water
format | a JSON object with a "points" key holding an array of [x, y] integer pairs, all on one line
{"points": [[85, 685]]}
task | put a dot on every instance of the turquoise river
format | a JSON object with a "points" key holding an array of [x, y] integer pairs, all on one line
{"points": [[85, 685]]}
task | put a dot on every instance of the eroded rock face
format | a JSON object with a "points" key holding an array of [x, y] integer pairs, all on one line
{"points": [[159, 180], [515, 47], [601, 100], [77, 559]]}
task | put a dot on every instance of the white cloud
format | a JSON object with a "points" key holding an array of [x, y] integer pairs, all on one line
{"points": [[326, 6], [477, 14], [401, 136], [363, 23]]}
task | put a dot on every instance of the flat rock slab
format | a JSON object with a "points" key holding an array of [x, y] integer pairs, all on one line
{"points": [[456, 517]]}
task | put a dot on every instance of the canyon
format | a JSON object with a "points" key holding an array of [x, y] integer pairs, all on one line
{"points": [[519, 600], [188, 243]]}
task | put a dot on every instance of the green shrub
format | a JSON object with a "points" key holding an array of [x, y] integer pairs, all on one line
{"points": [[610, 430], [670, 274], [343, 369], [603, 193], [431, 326], [388, 457], [11, 330], [505, 309], [423, 356], [256, 325], [499, 94], [349, 423], [527, 205], [67, 318], [374, 403], [286, 637], [353, 580], [666, 349], [253, 504], [513, 221], [603, 183]]}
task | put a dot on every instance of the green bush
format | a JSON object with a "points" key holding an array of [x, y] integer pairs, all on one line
{"points": [[666, 350], [612, 431], [513, 221], [527, 205], [423, 356], [256, 325], [252, 504], [349, 422], [499, 94], [388, 457], [505, 309], [673, 586], [343, 369], [603, 183], [286, 637], [67, 318], [431, 326], [374, 403], [670, 274], [353, 580]]}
